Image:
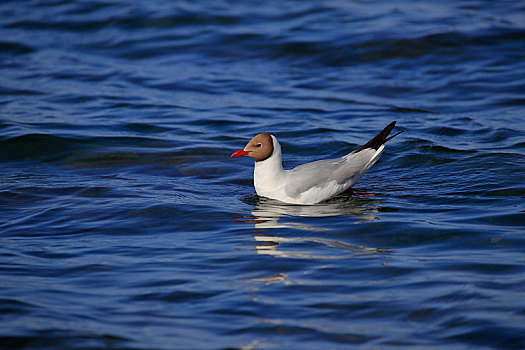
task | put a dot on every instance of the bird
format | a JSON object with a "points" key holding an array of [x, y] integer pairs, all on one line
{"points": [[314, 182]]}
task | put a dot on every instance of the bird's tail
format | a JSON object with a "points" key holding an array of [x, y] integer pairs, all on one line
{"points": [[380, 139]]}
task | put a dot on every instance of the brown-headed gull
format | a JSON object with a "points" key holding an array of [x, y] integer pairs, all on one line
{"points": [[313, 182]]}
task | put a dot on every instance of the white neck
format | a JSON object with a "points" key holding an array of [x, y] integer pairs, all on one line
{"points": [[268, 174]]}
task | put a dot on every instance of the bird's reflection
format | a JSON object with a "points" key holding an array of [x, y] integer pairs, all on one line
{"points": [[269, 214], [269, 245]]}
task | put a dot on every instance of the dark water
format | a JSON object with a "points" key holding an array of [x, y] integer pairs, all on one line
{"points": [[124, 224]]}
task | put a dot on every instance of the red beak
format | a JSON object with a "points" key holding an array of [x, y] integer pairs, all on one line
{"points": [[239, 153]]}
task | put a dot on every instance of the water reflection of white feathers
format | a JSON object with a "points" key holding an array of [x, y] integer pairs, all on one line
{"points": [[270, 214], [269, 245]]}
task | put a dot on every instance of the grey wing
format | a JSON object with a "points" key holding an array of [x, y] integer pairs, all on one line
{"points": [[345, 170]]}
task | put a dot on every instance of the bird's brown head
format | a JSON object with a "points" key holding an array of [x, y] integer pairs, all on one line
{"points": [[259, 148]]}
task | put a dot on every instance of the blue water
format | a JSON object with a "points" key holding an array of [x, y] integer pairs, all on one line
{"points": [[124, 224]]}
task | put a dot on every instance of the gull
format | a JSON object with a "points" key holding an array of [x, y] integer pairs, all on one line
{"points": [[313, 182]]}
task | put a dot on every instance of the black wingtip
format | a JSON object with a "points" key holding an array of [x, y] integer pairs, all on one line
{"points": [[379, 139], [397, 133]]}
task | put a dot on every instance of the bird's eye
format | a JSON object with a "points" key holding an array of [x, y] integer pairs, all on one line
{"points": [[259, 145]]}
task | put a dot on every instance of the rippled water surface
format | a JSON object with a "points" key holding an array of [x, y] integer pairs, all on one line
{"points": [[125, 224]]}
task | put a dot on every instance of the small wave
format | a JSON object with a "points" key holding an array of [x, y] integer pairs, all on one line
{"points": [[11, 48], [37, 147]]}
